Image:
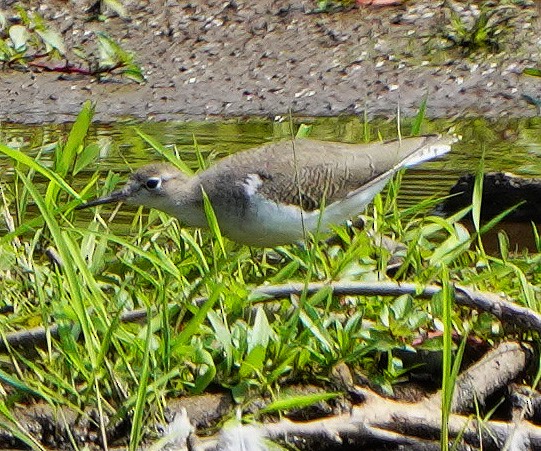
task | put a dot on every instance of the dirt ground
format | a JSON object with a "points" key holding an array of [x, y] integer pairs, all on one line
{"points": [[270, 57]]}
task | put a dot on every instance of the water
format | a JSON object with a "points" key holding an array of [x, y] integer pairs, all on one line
{"points": [[512, 145]]}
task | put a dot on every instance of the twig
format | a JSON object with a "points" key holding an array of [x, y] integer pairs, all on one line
{"points": [[506, 311], [416, 425], [66, 68]]}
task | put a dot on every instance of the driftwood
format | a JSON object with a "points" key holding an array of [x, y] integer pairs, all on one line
{"points": [[505, 310], [500, 192], [389, 422], [375, 421]]}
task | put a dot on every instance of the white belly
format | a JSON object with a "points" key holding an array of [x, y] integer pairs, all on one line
{"points": [[268, 224]]}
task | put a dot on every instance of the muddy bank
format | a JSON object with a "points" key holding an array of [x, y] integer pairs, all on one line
{"points": [[266, 58]]}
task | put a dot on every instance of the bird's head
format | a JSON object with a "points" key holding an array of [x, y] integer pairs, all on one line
{"points": [[151, 186]]}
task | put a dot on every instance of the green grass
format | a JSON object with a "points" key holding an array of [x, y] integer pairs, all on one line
{"points": [[28, 42], [481, 32], [205, 329]]}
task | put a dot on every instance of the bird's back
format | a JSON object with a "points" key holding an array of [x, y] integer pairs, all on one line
{"points": [[307, 172], [268, 195], [272, 194]]}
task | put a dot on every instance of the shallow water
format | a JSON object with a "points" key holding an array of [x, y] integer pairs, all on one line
{"points": [[507, 145]]}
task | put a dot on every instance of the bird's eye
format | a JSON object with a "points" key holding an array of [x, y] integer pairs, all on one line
{"points": [[153, 183]]}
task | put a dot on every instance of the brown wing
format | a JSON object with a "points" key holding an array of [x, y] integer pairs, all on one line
{"points": [[307, 172]]}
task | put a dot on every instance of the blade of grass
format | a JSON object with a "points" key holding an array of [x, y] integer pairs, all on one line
{"points": [[165, 152], [75, 141], [166, 265], [201, 162], [447, 382], [21, 158], [20, 386], [477, 199], [419, 117], [537, 237], [204, 378], [137, 424], [213, 223], [193, 325], [75, 288]]}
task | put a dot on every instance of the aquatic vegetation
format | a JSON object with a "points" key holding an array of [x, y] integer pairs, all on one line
{"points": [[28, 42], [212, 320]]}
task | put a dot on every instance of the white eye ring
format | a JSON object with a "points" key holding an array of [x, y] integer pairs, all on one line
{"points": [[153, 183]]}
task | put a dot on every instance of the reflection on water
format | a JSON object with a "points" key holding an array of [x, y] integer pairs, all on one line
{"points": [[512, 145]]}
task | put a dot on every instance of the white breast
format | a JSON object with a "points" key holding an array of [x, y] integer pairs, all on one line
{"points": [[267, 223]]}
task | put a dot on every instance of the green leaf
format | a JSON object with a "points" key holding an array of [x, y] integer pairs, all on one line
{"points": [[108, 50], [203, 357], [76, 138], [222, 333], [19, 36], [240, 391], [452, 247], [111, 53], [53, 41], [253, 362], [533, 71], [66, 155], [86, 157], [384, 316], [193, 325], [417, 122], [164, 152], [304, 131], [320, 334], [499, 217], [503, 241], [402, 306], [285, 273], [297, 402], [117, 7], [321, 296], [137, 430], [448, 384], [477, 196], [213, 222], [18, 385], [134, 73], [261, 333]]}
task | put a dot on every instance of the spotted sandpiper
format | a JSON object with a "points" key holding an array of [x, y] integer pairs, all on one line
{"points": [[273, 194]]}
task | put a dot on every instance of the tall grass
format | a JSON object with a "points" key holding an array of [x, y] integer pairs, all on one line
{"points": [[204, 327]]}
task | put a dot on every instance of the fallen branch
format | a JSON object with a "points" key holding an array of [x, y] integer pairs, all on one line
{"points": [[507, 311], [415, 425], [376, 420]]}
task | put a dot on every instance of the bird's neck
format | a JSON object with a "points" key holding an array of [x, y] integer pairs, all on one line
{"points": [[186, 204]]}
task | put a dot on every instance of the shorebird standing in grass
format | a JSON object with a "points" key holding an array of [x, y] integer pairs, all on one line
{"points": [[273, 194]]}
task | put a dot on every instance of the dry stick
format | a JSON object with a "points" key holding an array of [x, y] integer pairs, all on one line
{"points": [[506, 311], [416, 425]]}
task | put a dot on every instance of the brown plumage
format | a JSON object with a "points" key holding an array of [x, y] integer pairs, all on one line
{"points": [[264, 196]]}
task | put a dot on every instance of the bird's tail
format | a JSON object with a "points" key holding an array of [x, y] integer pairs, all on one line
{"points": [[435, 146]]}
